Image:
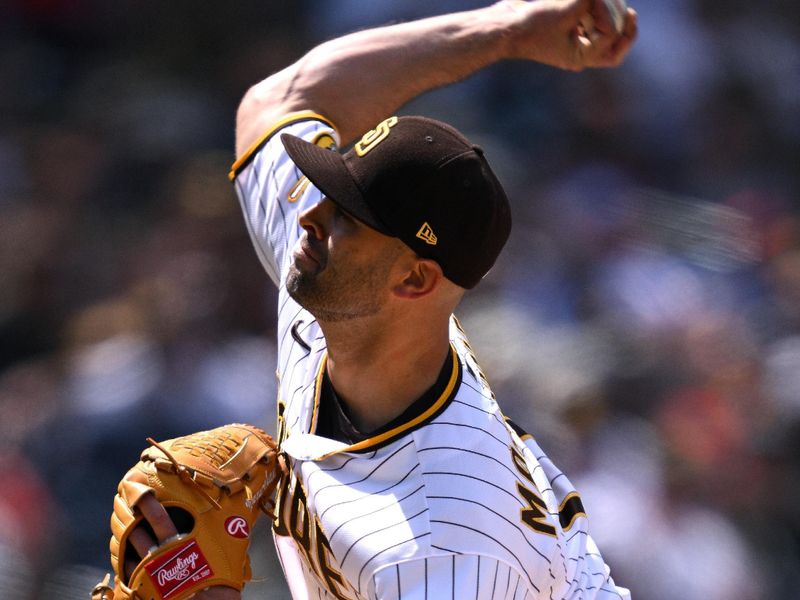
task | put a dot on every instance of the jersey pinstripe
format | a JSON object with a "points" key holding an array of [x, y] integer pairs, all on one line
{"points": [[455, 503]]}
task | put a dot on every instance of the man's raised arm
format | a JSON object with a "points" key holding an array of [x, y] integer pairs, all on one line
{"points": [[360, 78]]}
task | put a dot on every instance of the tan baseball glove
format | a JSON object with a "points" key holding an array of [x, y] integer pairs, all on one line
{"points": [[223, 479]]}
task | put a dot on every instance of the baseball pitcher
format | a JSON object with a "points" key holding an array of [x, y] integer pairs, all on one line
{"points": [[399, 475]]}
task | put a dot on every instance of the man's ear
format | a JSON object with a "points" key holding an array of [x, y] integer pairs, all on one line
{"points": [[423, 278]]}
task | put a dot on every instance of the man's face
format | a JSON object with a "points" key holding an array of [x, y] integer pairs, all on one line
{"points": [[340, 267]]}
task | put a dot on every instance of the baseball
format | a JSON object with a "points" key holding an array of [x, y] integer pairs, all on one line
{"points": [[617, 10]]}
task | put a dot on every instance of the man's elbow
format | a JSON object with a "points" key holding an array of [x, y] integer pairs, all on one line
{"points": [[263, 105]]}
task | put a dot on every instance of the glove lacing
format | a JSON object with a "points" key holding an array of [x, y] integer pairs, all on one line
{"points": [[185, 474]]}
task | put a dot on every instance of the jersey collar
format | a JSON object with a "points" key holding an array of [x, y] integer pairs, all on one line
{"points": [[307, 446]]}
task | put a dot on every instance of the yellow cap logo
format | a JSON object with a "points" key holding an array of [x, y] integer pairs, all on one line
{"points": [[426, 234], [375, 136]]}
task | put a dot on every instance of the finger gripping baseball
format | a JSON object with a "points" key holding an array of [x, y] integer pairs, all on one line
{"points": [[224, 479]]}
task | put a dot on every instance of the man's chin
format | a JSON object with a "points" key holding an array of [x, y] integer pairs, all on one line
{"points": [[296, 283], [303, 288]]}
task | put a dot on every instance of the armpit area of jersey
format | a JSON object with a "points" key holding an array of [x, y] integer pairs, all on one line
{"points": [[334, 420]]}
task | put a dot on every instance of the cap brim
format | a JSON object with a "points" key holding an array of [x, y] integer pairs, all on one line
{"points": [[327, 170]]}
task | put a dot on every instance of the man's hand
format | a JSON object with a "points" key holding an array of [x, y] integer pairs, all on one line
{"points": [[164, 529], [569, 34]]}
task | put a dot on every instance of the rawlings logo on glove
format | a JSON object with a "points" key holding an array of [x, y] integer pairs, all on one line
{"points": [[237, 527], [187, 565]]}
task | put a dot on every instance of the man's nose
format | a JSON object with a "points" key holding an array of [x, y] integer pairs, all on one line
{"points": [[316, 218]]}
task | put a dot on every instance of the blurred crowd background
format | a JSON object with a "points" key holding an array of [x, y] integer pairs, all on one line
{"points": [[643, 324]]}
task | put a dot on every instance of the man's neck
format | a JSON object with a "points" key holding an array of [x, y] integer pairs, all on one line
{"points": [[379, 371]]}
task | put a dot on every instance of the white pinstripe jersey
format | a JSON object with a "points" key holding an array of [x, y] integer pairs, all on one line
{"points": [[455, 503]]}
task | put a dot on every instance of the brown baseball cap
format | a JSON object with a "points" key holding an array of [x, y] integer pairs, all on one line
{"points": [[419, 180]]}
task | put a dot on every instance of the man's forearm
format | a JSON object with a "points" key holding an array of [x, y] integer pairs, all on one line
{"points": [[358, 79], [361, 78]]}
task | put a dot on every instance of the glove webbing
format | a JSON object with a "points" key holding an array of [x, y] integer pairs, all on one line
{"points": [[186, 474]]}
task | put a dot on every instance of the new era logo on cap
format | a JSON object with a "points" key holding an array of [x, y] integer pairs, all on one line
{"points": [[426, 234], [410, 172]]}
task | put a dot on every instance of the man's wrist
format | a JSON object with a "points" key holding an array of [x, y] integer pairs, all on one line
{"points": [[497, 30]]}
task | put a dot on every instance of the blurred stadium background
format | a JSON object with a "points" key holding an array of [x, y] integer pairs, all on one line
{"points": [[644, 323]]}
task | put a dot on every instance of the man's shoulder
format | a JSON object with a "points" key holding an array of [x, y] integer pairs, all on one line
{"points": [[307, 125], [470, 428]]}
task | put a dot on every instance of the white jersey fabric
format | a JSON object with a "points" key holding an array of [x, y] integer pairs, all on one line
{"points": [[455, 503]]}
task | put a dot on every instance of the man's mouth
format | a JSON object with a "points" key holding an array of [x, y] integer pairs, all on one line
{"points": [[306, 255]]}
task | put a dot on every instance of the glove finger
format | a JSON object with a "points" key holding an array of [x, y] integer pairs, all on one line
{"points": [[155, 514]]}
